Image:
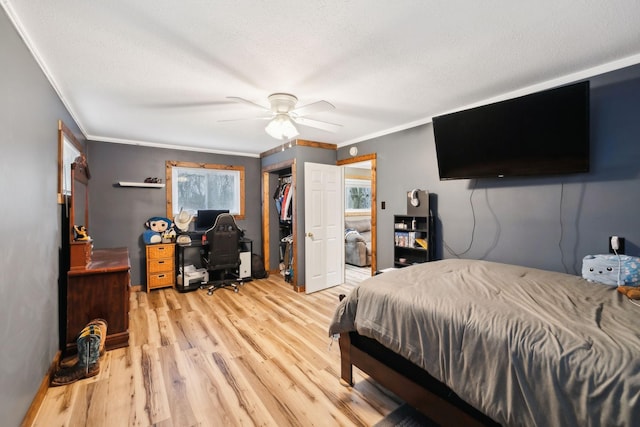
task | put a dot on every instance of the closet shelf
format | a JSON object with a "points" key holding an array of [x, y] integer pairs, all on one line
{"points": [[140, 184]]}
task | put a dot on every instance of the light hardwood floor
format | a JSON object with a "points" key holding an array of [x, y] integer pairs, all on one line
{"points": [[258, 357], [354, 275]]}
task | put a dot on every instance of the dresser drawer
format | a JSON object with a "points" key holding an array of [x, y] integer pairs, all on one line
{"points": [[160, 265], [160, 251], [161, 279]]}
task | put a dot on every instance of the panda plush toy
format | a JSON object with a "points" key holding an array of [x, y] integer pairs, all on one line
{"points": [[159, 230]]}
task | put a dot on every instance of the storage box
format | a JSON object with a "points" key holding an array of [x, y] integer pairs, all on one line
{"points": [[161, 251], [159, 280]]}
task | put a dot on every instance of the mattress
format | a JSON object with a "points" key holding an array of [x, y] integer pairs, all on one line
{"points": [[524, 346]]}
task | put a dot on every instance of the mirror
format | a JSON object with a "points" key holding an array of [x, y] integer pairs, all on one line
{"points": [[69, 149], [79, 208]]}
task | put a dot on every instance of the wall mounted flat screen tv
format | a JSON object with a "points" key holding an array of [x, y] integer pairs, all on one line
{"points": [[544, 133]]}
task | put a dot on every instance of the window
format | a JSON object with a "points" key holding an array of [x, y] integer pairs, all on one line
{"points": [[194, 186], [357, 196]]}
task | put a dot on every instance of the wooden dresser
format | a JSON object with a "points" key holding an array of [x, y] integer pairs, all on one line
{"points": [[161, 265], [100, 290]]}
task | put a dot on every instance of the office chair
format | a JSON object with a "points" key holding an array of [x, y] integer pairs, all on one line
{"points": [[224, 251]]}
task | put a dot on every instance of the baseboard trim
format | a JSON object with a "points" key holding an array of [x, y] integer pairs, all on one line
{"points": [[32, 412]]}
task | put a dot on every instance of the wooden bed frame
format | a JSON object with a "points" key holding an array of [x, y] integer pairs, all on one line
{"points": [[408, 381]]}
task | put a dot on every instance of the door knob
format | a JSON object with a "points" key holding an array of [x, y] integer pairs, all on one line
{"points": [[310, 234]]}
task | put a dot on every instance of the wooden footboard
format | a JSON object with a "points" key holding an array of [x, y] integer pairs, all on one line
{"points": [[411, 383]]}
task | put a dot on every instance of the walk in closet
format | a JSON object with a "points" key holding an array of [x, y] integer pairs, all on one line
{"points": [[279, 219], [283, 201]]}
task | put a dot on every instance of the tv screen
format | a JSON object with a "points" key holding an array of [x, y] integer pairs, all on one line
{"points": [[545, 133], [206, 218]]}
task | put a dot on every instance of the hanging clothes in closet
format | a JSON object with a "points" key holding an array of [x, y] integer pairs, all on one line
{"points": [[284, 199]]}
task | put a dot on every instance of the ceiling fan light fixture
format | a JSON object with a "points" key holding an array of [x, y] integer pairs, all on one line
{"points": [[284, 116], [281, 127], [282, 102]]}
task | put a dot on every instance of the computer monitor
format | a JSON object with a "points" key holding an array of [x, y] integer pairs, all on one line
{"points": [[206, 218]]}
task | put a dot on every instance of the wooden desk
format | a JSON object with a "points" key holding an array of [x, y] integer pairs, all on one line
{"points": [[101, 290]]}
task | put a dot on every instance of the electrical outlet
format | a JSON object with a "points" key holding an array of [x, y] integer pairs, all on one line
{"points": [[616, 244]]}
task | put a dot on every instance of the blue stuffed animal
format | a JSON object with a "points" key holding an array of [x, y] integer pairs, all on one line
{"points": [[159, 230], [612, 269]]}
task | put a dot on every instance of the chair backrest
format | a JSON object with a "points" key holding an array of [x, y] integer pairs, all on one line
{"points": [[224, 243]]}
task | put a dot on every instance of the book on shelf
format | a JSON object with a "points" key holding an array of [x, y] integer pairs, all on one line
{"points": [[422, 243], [401, 238]]}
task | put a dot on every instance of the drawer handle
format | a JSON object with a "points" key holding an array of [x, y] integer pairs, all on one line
{"points": [[160, 262], [160, 276]]}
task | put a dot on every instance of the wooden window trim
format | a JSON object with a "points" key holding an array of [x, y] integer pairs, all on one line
{"points": [[169, 164]]}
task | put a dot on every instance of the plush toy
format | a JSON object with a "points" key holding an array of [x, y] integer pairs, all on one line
{"points": [[610, 269], [632, 292], [159, 230], [80, 233], [169, 235]]}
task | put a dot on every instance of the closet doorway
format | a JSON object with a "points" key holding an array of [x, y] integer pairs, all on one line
{"points": [[357, 169], [279, 231]]}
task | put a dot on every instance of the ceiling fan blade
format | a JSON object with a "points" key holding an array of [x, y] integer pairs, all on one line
{"points": [[314, 107], [267, 117], [246, 101], [190, 104], [329, 127]]}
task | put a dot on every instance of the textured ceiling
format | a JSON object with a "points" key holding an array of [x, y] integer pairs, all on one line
{"points": [[158, 72]]}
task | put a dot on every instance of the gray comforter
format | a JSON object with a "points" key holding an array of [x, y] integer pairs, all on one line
{"points": [[525, 346]]}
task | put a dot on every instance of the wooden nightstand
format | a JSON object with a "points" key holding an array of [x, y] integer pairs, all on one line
{"points": [[161, 266]]}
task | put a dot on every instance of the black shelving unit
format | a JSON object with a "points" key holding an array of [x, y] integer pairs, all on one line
{"points": [[409, 232]]}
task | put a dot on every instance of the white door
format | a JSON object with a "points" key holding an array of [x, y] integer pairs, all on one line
{"points": [[324, 226]]}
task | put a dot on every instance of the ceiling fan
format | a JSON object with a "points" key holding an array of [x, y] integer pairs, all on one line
{"points": [[283, 116]]}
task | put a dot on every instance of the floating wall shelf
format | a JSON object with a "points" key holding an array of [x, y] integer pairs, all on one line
{"points": [[140, 184]]}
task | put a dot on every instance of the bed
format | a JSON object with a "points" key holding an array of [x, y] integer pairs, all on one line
{"points": [[483, 343]]}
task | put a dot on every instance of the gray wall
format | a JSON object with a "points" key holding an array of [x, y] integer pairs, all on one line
{"points": [[117, 214], [29, 114], [550, 222]]}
